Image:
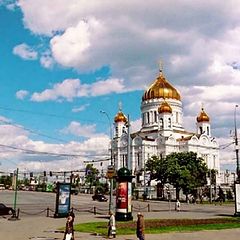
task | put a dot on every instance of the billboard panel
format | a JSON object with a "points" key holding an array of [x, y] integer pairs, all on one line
{"points": [[63, 198], [122, 197]]}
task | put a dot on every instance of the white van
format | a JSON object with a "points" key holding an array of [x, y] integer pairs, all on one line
{"points": [[2, 187]]}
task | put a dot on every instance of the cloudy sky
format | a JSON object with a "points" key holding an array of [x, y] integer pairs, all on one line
{"points": [[64, 61]]}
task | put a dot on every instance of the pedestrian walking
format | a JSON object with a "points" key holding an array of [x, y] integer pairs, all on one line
{"points": [[111, 226], [140, 227], [177, 206], [69, 231]]}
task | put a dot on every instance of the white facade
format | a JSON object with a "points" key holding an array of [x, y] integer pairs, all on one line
{"points": [[162, 131]]}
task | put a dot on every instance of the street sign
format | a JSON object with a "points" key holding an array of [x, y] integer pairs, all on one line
{"points": [[111, 172]]}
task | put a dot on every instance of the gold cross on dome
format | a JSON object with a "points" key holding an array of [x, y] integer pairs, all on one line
{"points": [[160, 66], [120, 106]]}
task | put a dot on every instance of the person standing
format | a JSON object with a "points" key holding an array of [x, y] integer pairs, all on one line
{"points": [[177, 206], [140, 227], [69, 231], [111, 225]]}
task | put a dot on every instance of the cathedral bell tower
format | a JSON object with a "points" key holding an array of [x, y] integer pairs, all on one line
{"points": [[120, 121], [203, 123], [165, 119]]}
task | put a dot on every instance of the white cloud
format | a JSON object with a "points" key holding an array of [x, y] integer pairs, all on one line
{"points": [[69, 49], [73, 88], [14, 139], [21, 94], [197, 40], [26, 52], [46, 60], [136, 125], [77, 129], [130, 38], [80, 109], [68, 89]]}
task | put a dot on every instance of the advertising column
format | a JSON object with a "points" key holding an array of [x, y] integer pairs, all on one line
{"points": [[124, 195]]}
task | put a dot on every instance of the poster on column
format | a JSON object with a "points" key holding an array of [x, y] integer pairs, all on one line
{"points": [[122, 197], [129, 197], [237, 203], [63, 199]]}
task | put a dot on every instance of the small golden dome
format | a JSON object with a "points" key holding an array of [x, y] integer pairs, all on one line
{"points": [[120, 117], [164, 108], [161, 88], [203, 117]]}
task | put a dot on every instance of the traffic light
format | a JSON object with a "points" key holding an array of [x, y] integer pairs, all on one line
{"points": [[50, 173], [44, 173], [31, 174]]}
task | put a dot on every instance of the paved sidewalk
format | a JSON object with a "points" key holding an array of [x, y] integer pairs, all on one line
{"points": [[47, 228], [43, 228]]}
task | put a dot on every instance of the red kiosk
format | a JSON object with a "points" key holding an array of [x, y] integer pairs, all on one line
{"points": [[124, 195]]}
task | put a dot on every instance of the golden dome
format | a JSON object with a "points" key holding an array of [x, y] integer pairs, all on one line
{"points": [[203, 117], [161, 88], [120, 117], [164, 108]]}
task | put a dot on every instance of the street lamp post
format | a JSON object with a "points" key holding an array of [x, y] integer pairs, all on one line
{"points": [[237, 184], [111, 158], [236, 142], [129, 147]]}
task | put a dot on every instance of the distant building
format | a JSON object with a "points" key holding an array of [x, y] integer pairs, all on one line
{"points": [[227, 177], [162, 131]]}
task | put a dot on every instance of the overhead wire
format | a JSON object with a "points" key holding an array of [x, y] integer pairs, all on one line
{"points": [[32, 131], [47, 114], [29, 151]]}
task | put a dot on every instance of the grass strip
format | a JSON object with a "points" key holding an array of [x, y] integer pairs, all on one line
{"points": [[156, 226]]}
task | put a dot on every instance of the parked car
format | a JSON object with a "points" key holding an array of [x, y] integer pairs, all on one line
{"points": [[4, 210], [74, 191], [99, 197]]}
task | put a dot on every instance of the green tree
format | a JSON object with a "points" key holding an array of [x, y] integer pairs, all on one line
{"points": [[186, 171], [157, 167], [229, 195], [221, 195], [6, 180], [91, 176]]}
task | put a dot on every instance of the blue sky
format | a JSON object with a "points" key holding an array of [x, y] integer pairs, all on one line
{"points": [[62, 61]]}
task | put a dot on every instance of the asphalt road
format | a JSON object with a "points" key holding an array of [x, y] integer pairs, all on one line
{"points": [[31, 203], [34, 224]]}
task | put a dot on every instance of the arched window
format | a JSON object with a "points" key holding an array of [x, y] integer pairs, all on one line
{"points": [[207, 130], [148, 118], [201, 130], [116, 129]]}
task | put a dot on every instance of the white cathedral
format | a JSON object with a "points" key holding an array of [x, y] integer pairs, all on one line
{"points": [[162, 131]]}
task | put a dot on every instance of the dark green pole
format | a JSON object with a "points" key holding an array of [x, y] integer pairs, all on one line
{"points": [[15, 195]]}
